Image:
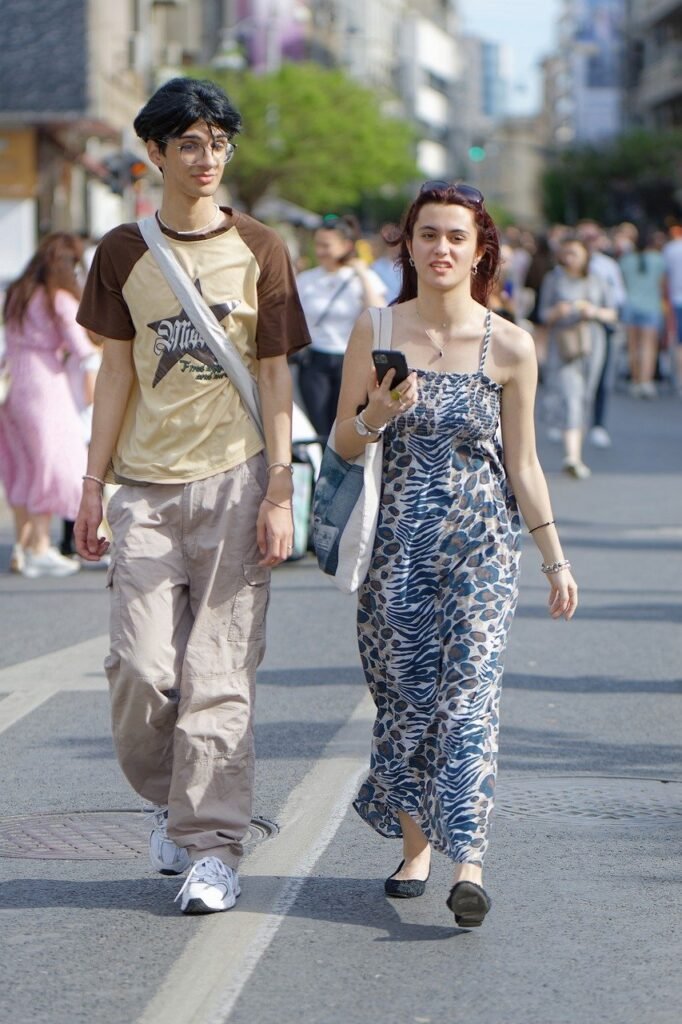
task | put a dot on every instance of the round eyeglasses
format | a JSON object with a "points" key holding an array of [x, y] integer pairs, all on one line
{"points": [[192, 152], [468, 192]]}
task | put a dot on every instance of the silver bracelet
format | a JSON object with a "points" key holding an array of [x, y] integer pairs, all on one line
{"points": [[549, 570], [89, 476], [281, 465], [364, 428]]}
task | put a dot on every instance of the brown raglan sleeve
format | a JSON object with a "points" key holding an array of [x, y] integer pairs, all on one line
{"points": [[103, 309], [281, 328]]}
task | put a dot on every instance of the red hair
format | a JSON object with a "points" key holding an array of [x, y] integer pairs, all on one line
{"points": [[488, 242]]}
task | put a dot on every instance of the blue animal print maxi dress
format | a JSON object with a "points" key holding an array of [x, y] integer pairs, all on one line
{"points": [[434, 613]]}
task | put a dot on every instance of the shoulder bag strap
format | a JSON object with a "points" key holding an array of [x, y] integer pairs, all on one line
{"points": [[203, 320], [342, 287], [382, 325]]}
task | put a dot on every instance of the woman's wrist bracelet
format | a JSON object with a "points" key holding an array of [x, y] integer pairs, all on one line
{"points": [[89, 476], [549, 570], [542, 526], [277, 504], [281, 465]]}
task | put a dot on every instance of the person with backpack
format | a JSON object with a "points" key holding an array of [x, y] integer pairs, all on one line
{"points": [[202, 513]]}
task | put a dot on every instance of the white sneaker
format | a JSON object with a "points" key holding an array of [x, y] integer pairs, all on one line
{"points": [[577, 469], [210, 886], [164, 855], [17, 559], [647, 389], [48, 563], [599, 437]]}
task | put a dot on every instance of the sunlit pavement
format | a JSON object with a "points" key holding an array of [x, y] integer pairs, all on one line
{"points": [[583, 868]]}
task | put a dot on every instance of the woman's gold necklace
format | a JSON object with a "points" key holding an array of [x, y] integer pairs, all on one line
{"points": [[427, 332]]}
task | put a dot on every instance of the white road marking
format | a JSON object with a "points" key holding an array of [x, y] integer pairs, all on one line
{"points": [[227, 948], [30, 683]]}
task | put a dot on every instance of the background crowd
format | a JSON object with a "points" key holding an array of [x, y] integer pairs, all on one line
{"points": [[604, 306]]}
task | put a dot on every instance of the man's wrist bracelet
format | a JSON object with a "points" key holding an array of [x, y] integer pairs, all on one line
{"points": [[549, 570], [89, 476]]}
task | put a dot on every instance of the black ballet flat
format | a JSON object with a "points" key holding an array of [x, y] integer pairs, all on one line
{"points": [[404, 889], [469, 903]]}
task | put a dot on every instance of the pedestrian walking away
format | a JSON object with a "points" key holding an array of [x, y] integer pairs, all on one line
{"points": [[201, 515], [436, 606]]}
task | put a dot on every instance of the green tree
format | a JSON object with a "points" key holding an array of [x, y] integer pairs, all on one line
{"points": [[314, 137], [636, 176]]}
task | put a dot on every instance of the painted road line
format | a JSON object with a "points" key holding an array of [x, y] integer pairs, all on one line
{"points": [[28, 684], [228, 946]]}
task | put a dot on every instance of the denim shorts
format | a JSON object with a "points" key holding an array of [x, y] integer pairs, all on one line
{"points": [[641, 318]]}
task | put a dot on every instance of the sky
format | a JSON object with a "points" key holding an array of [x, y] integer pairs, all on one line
{"points": [[527, 27]]}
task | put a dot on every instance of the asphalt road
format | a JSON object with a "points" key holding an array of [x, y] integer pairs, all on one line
{"points": [[584, 865]]}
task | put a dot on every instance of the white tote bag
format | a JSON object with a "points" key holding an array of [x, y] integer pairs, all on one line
{"points": [[347, 497]]}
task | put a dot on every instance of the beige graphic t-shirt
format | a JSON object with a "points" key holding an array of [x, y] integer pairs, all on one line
{"points": [[185, 420]]}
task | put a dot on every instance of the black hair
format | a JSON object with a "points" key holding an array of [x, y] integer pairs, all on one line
{"points": [[181, 102], [345, 224]]}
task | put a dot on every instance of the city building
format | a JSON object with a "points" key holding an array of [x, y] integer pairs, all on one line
{"points": [[654, 64], [584, 79]]}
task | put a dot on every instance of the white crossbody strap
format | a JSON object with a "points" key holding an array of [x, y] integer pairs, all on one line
{"points": [[203, 320]]}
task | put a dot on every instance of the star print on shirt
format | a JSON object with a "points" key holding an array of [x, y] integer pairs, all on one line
{"points": [[177, 338]]}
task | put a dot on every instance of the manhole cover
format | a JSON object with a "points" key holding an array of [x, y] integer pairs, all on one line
{"points": [[91, 835], [597, 800]]}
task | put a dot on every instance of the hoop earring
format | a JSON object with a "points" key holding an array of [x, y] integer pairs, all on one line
{"points": [[411, 261], [474, 269]]}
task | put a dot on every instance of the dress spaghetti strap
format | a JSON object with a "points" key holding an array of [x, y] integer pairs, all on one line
{"points": [[486, 339]]}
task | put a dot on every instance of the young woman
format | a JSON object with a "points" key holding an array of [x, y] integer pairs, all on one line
{"points": [[333, 295], [42, 451], [437, 603], [644, 275], [575, 306]]}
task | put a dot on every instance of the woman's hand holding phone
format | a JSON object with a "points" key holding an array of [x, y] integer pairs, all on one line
{"points": [[386, 400]]}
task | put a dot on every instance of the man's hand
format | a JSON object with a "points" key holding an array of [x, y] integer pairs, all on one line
{"points": [[275, 533], [88, 545]]}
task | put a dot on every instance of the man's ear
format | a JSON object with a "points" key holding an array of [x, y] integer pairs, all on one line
{"points": [[155, 154]]}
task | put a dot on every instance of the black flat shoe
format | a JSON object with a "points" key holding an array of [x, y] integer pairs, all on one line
{"points": [[469, 903], [404, 889]]}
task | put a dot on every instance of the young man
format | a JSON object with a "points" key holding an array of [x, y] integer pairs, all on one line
{"points": [[200, 517]]}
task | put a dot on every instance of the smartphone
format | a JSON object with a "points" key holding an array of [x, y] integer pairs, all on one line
{"points": [[385, 360]]}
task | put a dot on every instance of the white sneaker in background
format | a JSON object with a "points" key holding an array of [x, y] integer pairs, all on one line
{"points": [[48, 563], [599, 437], [647, 389], [17, 559], [211, 886], [635, 390], [164, 855], [578, 470]]}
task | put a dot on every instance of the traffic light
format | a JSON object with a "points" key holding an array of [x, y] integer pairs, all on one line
{"points": [[477, 154], [123, 170]]}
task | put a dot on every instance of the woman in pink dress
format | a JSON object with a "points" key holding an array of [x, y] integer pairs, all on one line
{"points": [[42, 452]]}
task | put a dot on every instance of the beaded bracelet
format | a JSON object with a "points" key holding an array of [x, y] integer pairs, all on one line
{"points": [[549, 570], [89, 476]]}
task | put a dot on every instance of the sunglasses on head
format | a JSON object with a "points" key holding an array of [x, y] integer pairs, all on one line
{"points": [[467, 192]]}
